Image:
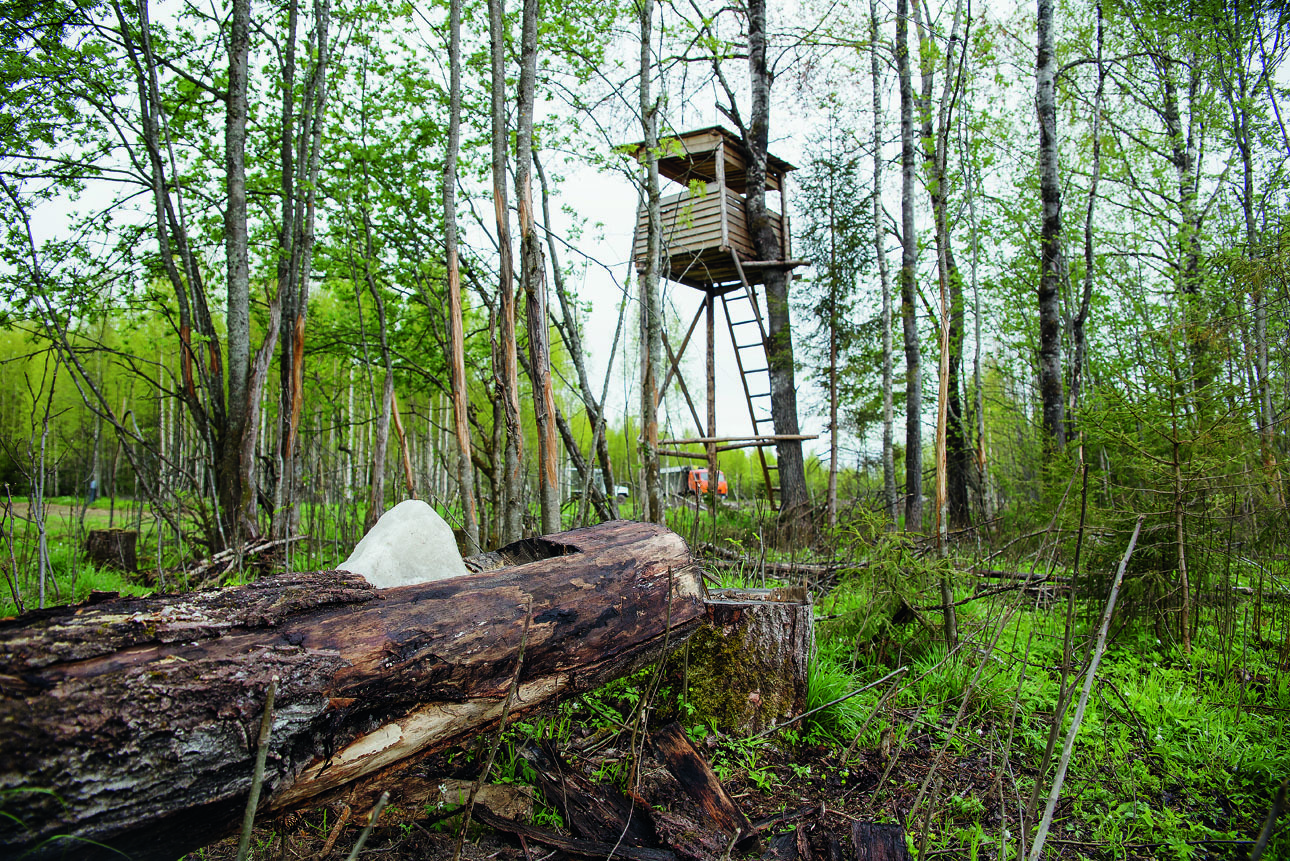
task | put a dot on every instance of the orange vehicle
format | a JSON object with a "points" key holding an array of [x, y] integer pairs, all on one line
{"points": [[697, 482]]}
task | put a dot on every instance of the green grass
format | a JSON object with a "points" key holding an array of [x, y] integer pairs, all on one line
{"points": [[1174, 750]]}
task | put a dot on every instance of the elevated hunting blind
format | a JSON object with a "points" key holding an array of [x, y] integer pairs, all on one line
{"points": [[706, 244], [705, 232]]}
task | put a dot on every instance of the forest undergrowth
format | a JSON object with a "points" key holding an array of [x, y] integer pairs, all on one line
{"points": [[1178, 755]]}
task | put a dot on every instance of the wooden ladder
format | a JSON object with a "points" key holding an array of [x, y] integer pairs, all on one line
{"points": [[748, 335]]}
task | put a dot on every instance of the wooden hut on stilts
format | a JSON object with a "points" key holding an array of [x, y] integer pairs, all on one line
{"points": [[707, 246]]}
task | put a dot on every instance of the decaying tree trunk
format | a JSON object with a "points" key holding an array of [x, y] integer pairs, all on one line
{"points": [[131, 722]]}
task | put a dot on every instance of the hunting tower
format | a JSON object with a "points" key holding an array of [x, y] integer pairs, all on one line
{"points": [[707, 245]]}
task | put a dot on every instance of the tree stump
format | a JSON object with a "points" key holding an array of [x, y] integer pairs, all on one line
{"points": [[748, 663], [876, 842], [132, 722], [113, 548]]}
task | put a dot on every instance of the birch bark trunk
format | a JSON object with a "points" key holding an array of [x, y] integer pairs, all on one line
{"points": [[1050, 243], [892, 506], [456, 329], [236, 492]]}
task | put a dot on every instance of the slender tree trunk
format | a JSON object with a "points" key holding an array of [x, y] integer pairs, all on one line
{"points": [[510, 508], [1258, 298], [1050, 245], [831, 505], [651, 312], [533, 278], [497, 454], [288, 412], [951, 448], [1086, 296], [936, 153], [456, 329], [405, 454], [573, 341], [1184, 584], [299, 181], [39, 510], [795, 504], [376, 495], [982, 461], [202, 382], [1183, 155], [237, 491], [908, 262], [892, 506]]}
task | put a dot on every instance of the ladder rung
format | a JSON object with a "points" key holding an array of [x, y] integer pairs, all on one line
{"points": [[748, 371], [759, 395], [747, 346], [744, 322]]}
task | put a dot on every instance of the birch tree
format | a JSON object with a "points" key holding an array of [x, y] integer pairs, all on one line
{"points": [[908, 262], [456, 328], [533, 279], [892, 502], [1050, 242]]}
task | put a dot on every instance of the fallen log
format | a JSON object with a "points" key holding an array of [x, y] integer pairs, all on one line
{"points": [[132, 722], [700, 782], [592, 811]]}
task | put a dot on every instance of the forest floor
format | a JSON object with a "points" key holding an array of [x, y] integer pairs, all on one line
{"points": [[803, 787], [795, 786], [1177, 757]]}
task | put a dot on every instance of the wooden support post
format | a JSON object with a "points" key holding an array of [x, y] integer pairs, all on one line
{"points": [[680, 380], [720, 156], [676, 357], [710, 304]]}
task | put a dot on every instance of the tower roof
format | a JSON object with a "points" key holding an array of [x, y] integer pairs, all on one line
{"points": [[692, 156]]}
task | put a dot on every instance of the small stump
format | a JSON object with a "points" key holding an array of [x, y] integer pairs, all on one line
{"points": [[748, 664], [875, 842], [113, 548]]}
